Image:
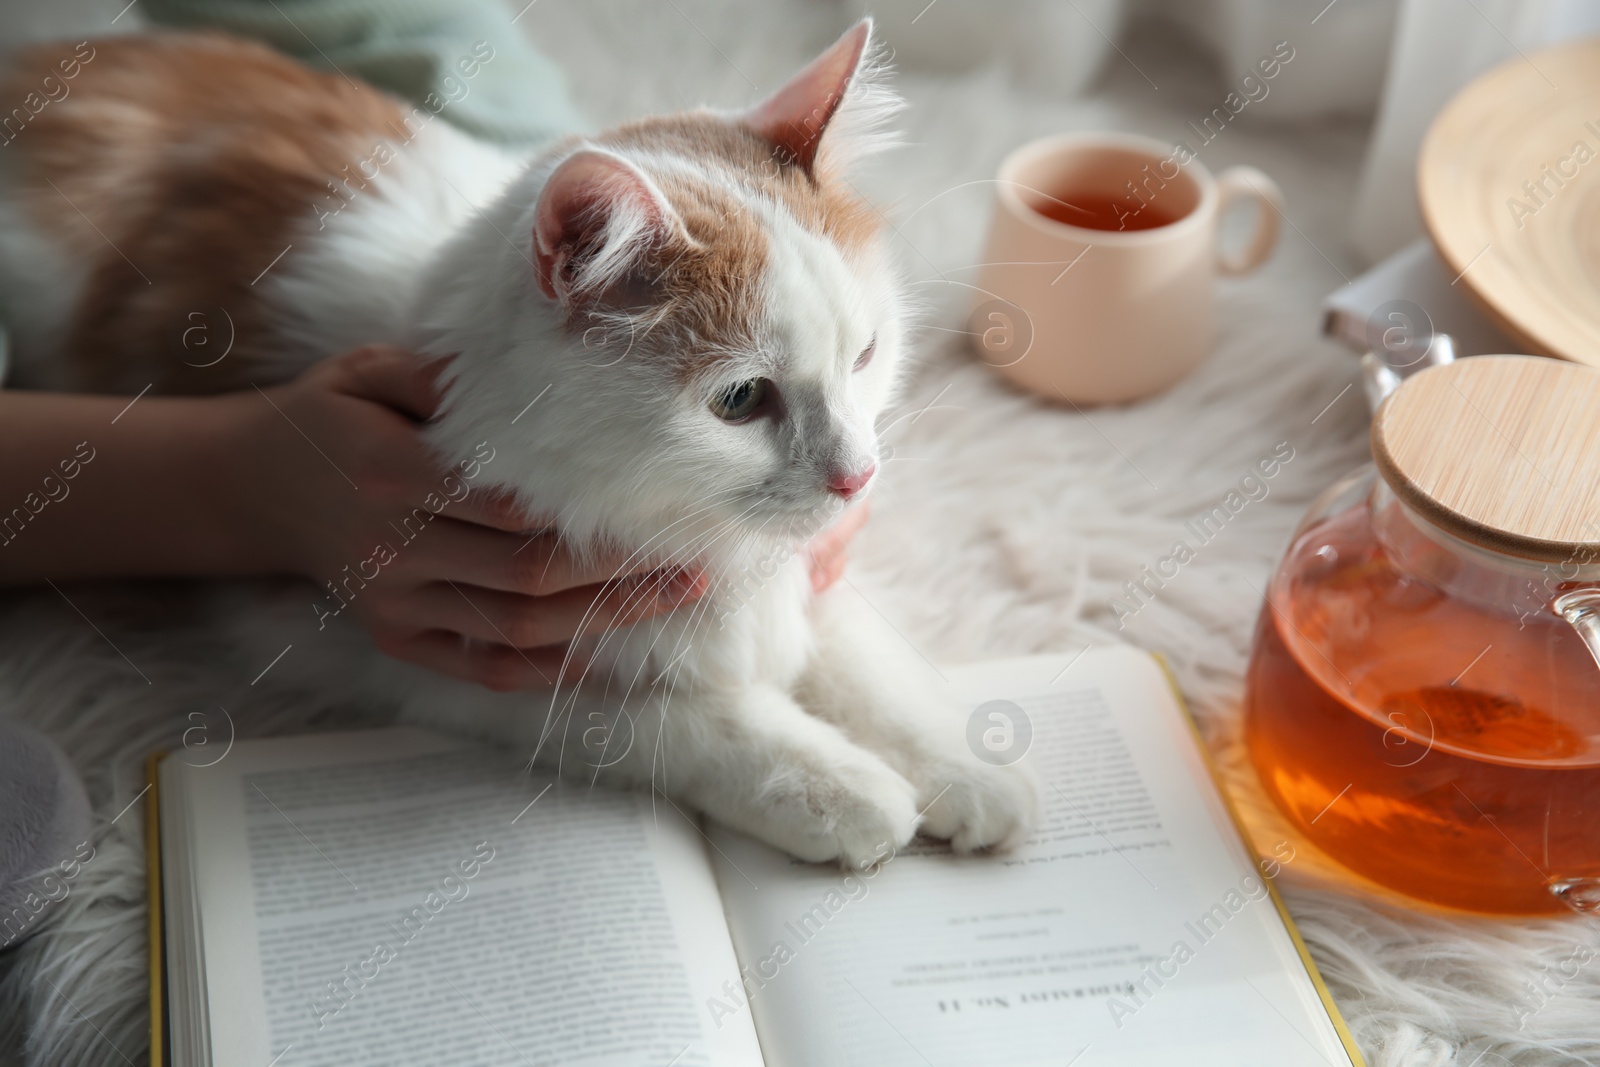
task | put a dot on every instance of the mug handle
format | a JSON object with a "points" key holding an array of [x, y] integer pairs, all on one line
{"points": [[1237, 183]]}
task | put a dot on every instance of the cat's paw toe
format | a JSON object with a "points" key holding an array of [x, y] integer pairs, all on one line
{"points": [[878, 822], [854, 815], [976, 805]]}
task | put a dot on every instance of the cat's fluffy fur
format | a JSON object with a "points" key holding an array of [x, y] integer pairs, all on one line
{"points": [[619, 284]]}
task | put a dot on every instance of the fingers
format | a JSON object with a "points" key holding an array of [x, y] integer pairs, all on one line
{"points": [[827, 570], [508, 642], [536, 622], [391, 376], [493, 666], [497, 510], [829, 551], [538, 565], [850, 523]]}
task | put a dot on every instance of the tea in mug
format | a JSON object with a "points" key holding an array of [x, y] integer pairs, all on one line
{"points": [[1102, 211]]}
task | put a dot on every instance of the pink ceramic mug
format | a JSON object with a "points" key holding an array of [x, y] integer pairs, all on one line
{"points": [[1115, 304]]}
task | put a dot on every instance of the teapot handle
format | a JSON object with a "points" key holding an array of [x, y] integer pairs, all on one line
{"points": [[1382, 373], [1581, 609]]}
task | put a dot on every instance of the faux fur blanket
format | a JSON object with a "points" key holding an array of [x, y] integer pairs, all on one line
{"points": [[1005, 526]]}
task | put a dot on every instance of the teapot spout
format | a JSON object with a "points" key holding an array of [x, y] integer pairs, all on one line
{"points": [[1581, 609]]}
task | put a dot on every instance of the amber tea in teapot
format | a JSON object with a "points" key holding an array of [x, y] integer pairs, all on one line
{"points": [[1423, 698]]}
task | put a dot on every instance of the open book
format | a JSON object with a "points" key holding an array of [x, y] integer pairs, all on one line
{"points": [[395, 897]]}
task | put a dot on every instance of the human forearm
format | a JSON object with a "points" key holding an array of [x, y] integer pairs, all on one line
{"points": [[92, 487]]}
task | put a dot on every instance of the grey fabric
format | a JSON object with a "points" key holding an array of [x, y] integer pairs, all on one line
{"points": [[44, 830]]}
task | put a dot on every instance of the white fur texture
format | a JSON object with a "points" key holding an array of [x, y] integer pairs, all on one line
{"points": [[1004, 525]]}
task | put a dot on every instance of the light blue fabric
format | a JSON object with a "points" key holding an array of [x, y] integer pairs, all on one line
{"points": [[411, 48]]}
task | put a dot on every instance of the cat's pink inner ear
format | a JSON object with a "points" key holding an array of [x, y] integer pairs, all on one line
{"points": [[595, 215], [796, 116]]}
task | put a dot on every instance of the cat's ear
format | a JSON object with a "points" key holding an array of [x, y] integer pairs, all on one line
{"points": [[597, 219], [830, 111]]}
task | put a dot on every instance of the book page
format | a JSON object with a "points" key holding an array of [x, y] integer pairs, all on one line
{"points": [[1132, 929], [390, 897]]}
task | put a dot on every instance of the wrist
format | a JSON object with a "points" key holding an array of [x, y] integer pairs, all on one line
{"points": [[251, 525]]}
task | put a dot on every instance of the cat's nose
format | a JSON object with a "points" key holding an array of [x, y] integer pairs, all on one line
{"points": [[848, 485]]}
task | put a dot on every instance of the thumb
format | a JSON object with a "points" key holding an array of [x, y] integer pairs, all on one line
{"points": [[394, 377]]}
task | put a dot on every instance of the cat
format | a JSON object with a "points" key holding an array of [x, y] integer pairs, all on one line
{"points": [[675, 336]]}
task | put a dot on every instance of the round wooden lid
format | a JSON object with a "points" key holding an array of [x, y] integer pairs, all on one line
{"points": [[1501, 451], [1508, 179]]}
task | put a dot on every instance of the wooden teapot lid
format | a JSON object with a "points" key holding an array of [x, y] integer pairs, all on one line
{"points": [[1501, 451]]}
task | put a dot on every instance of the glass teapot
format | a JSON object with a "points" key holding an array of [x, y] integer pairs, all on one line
{"points": [[1423, 697]]}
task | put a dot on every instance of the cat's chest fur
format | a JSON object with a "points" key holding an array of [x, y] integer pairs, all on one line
{"points": [[743, 629]]}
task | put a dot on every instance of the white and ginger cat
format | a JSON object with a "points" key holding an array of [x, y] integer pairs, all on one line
{"points": [[701, 305]]}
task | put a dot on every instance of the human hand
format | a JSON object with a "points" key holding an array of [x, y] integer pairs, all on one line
{"points": [[338, 486], [828, 552]]}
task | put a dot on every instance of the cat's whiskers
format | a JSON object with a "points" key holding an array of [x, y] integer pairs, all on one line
{"points": [[610, 583], [564, 713], [703, 607], [686, 641], [697, 620], [709, 538], [653, 586], [682, 555], [698, 612], [932, 405], [625, 568]]}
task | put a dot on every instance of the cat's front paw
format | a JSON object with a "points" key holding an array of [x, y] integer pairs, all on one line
{"points": [[976, 805], [856, 812]]}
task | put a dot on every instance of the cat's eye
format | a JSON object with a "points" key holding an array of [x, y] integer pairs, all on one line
{"points": [[866, 354], [738, 402]]}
